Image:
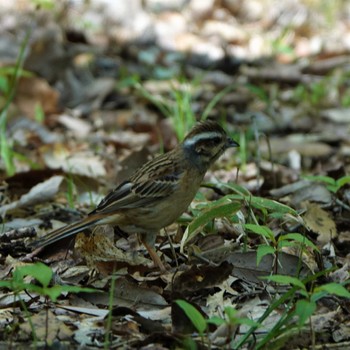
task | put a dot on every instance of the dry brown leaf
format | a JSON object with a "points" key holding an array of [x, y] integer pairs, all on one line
{"points": [[201, 277], [6, 317], [99, 247], [34, 91], [319, 221], [55, 328], [73, 161]]}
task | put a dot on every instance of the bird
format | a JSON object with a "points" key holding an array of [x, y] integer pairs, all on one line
{"points": [[157, 193]]}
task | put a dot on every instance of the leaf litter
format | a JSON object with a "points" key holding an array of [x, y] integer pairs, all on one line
{"points": [[82, 121]]}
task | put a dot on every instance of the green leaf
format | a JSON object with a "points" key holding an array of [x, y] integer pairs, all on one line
{"points": [[271, 205], [277, 215], [43, 275], [189, 344], [320, 178], [6, 152], [194, 315], [247, 321], [6, 284], [215, 210], [231, 313], [15, 71], [317, 295], [217, 321], [285, 243], [39, 114], [334, 288], [258, 91], [262, 251], [4, 84], [53, 292], [77, 289], [298, 238], [304, 309], [45, 4], [261, 230], [343, 181], [241, 190], [216, 99], [330, 183], [281, 279], [39, 271]]}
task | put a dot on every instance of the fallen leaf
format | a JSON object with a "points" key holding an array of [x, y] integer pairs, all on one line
{"points": [[245, 267], [319, 221], [130, 295], [48, 325], [99, 248], [40, 193], [33, 91], [201, 277], [79, 163]]}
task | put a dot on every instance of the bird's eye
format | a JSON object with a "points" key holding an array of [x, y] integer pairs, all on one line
{"points": [[215, 140]]}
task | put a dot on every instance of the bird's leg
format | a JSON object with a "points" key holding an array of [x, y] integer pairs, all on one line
{"points": [[153, 254]]}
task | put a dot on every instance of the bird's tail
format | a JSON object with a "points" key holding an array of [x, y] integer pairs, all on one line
{"points": [[64, 232]]}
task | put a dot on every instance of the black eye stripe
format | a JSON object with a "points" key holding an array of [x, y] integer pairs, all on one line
{"points": [[216, 139], [209, 141]]}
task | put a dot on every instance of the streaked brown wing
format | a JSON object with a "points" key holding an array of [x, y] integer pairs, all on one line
{"points": [[129, 195], [153, 181]]}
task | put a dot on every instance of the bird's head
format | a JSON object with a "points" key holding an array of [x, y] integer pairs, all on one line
{"points": [[205, 143]]}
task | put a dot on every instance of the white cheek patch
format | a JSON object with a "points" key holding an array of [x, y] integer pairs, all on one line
{"points": [[202, 136]]}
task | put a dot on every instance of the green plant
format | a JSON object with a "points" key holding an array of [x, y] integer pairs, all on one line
{"points": [[9, 75], [298, 305], [178, 106], [282, 45], [107, 340], [332, 185], [315, 93], [39, 114], [43, 276], [207, 213], [345, 98], [243, 149], [182, 114], [216, 99], [259, 92], [70, 190], [228, 207], [197, 319], [273, 245], [8, 82], [44, 4], [230, 318], [318, 91]]}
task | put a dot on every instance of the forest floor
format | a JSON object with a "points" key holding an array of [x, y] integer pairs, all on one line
{"points": [[90, 91]]}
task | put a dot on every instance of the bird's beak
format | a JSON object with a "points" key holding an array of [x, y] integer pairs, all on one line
{"points": [[231, 143]]}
